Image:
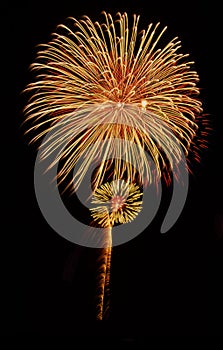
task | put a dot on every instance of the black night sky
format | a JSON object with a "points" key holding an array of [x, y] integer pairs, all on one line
{"points": [[162, 285]]}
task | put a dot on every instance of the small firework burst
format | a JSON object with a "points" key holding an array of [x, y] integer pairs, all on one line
{"points": [[118, 203]]}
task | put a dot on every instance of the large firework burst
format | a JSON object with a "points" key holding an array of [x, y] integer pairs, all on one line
{"points": [[107, 82]]}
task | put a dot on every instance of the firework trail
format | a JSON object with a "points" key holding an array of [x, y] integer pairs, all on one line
{"points": [[103, 277], [103, 82]]}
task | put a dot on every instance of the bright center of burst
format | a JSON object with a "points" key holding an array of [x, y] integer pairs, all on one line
{"points": [[117, 202], [120, 104], [143, 103]]}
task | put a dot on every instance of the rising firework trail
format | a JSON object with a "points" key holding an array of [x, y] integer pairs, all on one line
{"points": [[98, 82]]}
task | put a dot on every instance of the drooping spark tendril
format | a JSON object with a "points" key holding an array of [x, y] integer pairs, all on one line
{"points": [[100, 82]]}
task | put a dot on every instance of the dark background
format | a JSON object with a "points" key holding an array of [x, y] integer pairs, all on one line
{"points": [[162, 285]]}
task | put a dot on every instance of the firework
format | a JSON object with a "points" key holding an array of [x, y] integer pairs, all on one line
{"points": [[103, 90], [107, 82], [117, 203]]}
